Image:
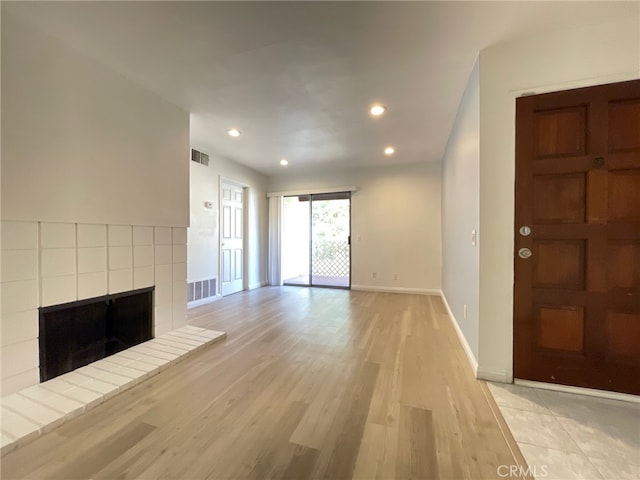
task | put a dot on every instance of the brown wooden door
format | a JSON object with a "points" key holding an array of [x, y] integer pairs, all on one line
{"points": [[577, 297]]}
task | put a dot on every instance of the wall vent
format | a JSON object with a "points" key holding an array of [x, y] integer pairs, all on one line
{"points": [[199, 157], [201, 289]]}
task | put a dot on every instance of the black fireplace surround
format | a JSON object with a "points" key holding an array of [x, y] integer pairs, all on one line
{"points": [[75, 334]]}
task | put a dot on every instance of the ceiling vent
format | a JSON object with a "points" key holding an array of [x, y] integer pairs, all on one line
{"points": [[199, 157]]}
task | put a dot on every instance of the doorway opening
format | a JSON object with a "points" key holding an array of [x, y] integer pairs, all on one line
{"points": [[316, 247]]}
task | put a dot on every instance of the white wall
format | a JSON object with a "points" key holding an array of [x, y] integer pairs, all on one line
{"points": [[203, 255], [579, 57], [81, 143], [460, 213], [395, 223], [94, 194]]}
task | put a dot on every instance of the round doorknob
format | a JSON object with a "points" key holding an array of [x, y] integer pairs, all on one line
{"points": [[524, 253]]}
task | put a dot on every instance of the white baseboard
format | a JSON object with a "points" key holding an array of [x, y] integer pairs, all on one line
{"points": [[499, 376], [414, 291], [625, 397], [253, 286], [473, 361], [203, 301]]}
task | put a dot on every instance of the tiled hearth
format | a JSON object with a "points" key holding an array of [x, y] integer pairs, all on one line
{"points": [[47, 264], [41, 408]]}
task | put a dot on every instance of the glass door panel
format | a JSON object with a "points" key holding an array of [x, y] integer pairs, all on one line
{"points": [[296, 240], [330, 249]]}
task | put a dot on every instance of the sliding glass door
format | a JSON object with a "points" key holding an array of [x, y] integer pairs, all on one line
{"points": [[316, 250]]}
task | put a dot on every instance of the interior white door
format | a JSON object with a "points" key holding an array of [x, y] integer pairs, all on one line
{"points": [[232, 238]]}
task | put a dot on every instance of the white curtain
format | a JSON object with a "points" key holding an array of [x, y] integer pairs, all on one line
{"points": [[275, 240]]}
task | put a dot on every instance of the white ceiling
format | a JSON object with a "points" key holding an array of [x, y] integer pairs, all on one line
{"points": [[297, 78]]}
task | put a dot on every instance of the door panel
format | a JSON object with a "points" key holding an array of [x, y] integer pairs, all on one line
{"points": [[232, 239], [577, 297]]}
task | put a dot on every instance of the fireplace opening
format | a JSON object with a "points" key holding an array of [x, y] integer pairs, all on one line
{"points": [[75, 334]]}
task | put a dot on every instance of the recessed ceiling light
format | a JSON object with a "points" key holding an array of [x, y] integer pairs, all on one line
{"points": [[284, 162], [377, 110], [234, 132], [389, 150]]}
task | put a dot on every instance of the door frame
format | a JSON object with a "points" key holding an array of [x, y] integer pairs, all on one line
{"points": [[245, 224], [513, 95], [311, 195]]}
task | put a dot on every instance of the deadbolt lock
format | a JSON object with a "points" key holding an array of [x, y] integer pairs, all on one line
{"points": [[525, 230]]}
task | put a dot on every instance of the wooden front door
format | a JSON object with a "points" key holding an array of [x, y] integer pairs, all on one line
{"points": [[577, 238]]}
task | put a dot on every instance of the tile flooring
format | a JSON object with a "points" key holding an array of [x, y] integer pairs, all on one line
{"points": [[572, 436], [35, 410]]}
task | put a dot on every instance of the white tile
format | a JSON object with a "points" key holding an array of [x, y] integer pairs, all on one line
{"points": [[538, 429], [57, 290], [179, 253], [164, 326], [163, 294], [163, 275], [554, 464], [515, 396], [193, 336], [180, 294], [19, 296], [165, 348], [147, 359], [19, 235], [120, 281], [92, 235], [162, 235], [31, 410], [52, 400], [143, 255], [19, 327], [162, 314], [162, 254], [92, 285], [616, 471], [85, 396], [179, 235], [57, 235], [73, 378], [119, 235], [142, 277], [193, 328], [142, 235], [19, 357], [616, 440], [180, 273], [108, 377], [6, 440], [19, 265], [186, 341], [143, 366], [15, 383], [57, 385], [163, 340], [18, 426], [180, 315], [92, 259], [154, 352], [120, 258], [100, 387], [57, 262]]}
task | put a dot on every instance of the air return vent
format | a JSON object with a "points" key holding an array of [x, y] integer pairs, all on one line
{"points": [[199, 157]]}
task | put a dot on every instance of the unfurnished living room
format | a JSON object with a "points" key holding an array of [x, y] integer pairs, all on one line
{"points": [[298, 240]]}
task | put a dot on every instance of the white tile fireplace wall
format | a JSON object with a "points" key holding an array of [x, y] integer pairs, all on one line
{"points": [[51, 263]]}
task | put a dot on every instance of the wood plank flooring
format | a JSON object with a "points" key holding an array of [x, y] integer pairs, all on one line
{"points": [[310, 383]]}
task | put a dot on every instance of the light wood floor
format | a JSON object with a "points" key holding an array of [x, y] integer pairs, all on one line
{"points": [[310, 383]]}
